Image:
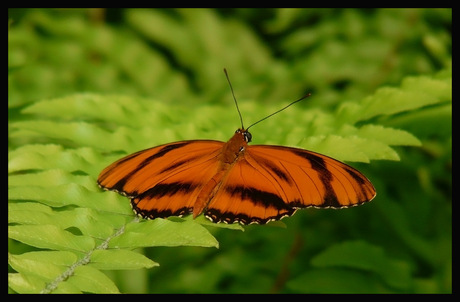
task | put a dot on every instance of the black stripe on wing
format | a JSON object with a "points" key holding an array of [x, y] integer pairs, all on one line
{"points": [[318, 164]]}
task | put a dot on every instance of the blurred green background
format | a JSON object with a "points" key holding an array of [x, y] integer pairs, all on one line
{"points": [[273, 56]]}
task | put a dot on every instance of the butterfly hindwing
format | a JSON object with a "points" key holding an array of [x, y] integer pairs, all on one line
{"points": [[248, 195]]}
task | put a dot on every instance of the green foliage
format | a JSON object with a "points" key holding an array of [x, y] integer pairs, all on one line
{"points": [[89, 86]]}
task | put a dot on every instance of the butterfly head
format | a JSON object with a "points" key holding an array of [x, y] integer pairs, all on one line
{"points": [[246, 134]]}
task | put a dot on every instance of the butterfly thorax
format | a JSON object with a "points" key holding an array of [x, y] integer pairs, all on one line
{"points": [[229, 155], [235, 147]]}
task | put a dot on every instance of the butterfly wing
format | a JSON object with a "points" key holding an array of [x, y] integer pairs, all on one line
{"points": [[271, 182], [165, 180]]}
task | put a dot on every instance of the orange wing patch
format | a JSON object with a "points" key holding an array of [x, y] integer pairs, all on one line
{"points": [[249, 195]]}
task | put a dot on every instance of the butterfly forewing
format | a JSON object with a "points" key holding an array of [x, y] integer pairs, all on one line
{"points": [[315, 179], [165, 180]]}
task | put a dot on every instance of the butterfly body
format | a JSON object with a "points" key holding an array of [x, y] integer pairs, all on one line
{"points": [[233, 181]]}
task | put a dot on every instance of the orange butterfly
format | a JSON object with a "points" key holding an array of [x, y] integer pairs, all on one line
{"points": [[233, 182]]}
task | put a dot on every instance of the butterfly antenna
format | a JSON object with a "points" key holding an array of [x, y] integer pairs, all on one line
{"points": [[234, 98], [304, 97]]}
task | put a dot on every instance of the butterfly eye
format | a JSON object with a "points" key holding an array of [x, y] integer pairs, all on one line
{"points": [[247, 137]]}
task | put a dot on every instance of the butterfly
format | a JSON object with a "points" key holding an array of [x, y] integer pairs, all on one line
{"points": [[233, 181]]}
